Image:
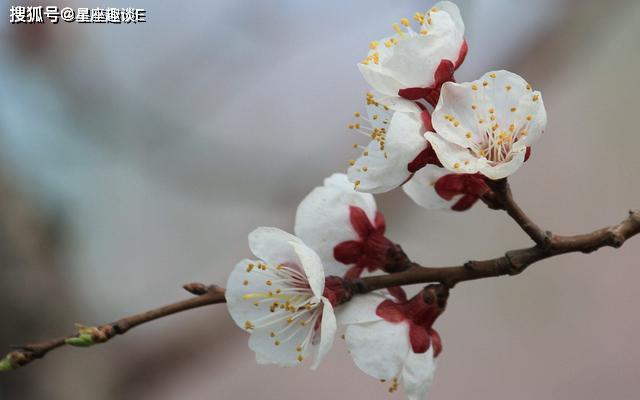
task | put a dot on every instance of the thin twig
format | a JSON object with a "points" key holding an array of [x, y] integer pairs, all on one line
{"points": [[501, 197], [512, 263], [30, 352]]}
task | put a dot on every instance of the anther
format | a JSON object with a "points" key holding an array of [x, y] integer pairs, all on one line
{"points": [[396, 28]]}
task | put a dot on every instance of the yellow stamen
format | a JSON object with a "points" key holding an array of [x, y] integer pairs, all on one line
{"points": [[396, 28]]}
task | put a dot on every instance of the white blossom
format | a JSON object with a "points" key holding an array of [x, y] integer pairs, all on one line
{"points": [[344, 227], [279, 300], [396, 139], [486, 125], [401, 334], [411, 57]]}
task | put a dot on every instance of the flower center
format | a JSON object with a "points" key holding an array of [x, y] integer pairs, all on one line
{"points": [[498, 126]]}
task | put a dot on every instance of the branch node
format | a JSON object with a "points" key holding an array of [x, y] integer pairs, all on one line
{"points": [[195, 288], [512, 267], [397, 260], [470, 265], [616, 239], [548, 241]]}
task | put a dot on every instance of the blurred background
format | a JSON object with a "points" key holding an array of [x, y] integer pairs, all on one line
{"points": [[136, 158]]}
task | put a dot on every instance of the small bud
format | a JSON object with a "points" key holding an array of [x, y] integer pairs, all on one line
{"points": [[195, 288], [6, 364], [82, 340], [437, 294], [397, 260], [87, 336]]}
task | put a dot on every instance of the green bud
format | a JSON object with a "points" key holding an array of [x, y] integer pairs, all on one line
{"points": [[6, 364], [82, 340]]}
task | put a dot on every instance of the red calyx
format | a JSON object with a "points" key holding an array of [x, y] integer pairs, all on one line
{"points": [[462, 54], [420, 313], [336, 291], [444, 73], [471, 186], [431, 94], [370, 250], [428, 155], [527, 153]]}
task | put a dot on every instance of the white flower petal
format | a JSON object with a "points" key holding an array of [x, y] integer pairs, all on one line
{"points": [[312, 266], [360, 309], [262, 360], [285, 353], [386, 169], [453, 157], [338, 181], [328, 329], [379, 348], [241, 282], [323, 219], [417, 375], [535, 116], [414, 58], [272, 245], [380, 79], [421, 188], [457, 99], [454, 12]]}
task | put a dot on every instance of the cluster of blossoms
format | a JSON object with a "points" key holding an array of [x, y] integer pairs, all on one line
{"points": [[441, 141]]}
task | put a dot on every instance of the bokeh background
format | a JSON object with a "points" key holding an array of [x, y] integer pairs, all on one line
{"points": [[136, 158]]}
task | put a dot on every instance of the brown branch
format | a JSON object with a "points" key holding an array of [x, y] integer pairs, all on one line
{"points": [[87, 336], [501, 198], [512, 263]]}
